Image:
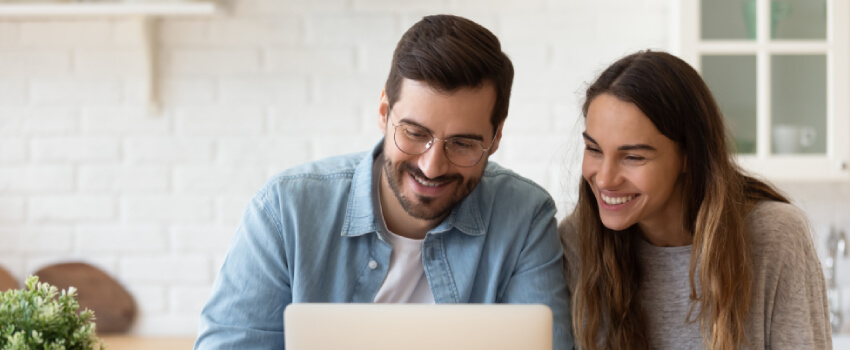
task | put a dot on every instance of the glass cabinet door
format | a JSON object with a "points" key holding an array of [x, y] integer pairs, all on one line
{"points": [[797, 19], [779, 72], [796, 83], [798, 104], [727, 20], [732, 80], [738, 19]]}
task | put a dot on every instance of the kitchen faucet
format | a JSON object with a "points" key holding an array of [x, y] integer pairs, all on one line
{"points": [[836, 244]]}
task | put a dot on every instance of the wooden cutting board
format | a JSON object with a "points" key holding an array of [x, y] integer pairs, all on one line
{"points": [[114, 308], [7, 281]]}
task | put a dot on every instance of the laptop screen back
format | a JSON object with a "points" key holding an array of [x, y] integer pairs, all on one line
{"points": [[418, 326]]}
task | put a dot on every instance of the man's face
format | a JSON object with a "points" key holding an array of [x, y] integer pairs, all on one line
{"points": [[428, 186]]}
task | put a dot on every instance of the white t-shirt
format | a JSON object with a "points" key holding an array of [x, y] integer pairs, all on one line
{"points": [[406, 281]]}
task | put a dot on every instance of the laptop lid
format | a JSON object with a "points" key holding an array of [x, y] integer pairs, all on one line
{"points": [[418, 326]]}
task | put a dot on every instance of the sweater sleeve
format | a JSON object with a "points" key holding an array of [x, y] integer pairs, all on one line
{"points": [[800, 315], [569, 240]]}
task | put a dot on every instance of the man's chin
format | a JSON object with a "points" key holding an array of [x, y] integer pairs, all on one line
{"points": [[426, 208]]}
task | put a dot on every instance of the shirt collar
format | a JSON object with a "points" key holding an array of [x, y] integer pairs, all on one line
{"points": [[361, 217]]}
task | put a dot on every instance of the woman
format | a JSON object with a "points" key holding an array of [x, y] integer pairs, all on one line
{"points": [[671, 245]]}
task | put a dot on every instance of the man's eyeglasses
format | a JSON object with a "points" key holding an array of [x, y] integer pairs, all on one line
{"points": [[461, 151]]}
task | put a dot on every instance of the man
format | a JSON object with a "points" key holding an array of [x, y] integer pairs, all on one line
{"points": [[422, 218]]}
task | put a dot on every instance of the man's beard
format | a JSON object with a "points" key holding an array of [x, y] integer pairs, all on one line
{"points": [[426, 208]]}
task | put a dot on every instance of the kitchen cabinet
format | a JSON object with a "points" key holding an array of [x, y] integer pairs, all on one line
{"points": [[779, 71]]}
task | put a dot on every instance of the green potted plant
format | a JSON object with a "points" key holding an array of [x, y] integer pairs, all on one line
{"points": [[42, 317]]}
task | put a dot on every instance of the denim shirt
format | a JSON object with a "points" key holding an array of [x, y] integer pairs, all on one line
{"points": [[311, 235]]}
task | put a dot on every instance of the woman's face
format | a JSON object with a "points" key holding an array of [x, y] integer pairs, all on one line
{"points": [[633, 169]]}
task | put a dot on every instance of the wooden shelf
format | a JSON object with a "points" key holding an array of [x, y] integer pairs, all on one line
{"points": [[127, 342], [135, 8], [142, 12]]}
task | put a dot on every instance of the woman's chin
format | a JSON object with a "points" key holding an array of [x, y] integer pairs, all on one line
{"points": [[616, 225]]}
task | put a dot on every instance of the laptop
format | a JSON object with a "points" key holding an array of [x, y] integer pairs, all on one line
{"points": [[418, 326]]}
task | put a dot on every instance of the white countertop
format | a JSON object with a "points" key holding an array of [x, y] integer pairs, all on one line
{"points": [[841, 341]]}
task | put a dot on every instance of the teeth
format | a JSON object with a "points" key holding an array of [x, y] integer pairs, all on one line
{"points": [[616, 200], [426, 183]]}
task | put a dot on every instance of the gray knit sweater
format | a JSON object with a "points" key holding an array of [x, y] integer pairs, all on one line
{"points": [[789, 309]]}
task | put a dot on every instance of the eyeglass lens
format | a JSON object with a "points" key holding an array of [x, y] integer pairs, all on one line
{"points": [[460, 151]]}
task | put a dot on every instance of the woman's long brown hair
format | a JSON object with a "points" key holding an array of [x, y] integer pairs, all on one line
{"points": [[717, 197]]}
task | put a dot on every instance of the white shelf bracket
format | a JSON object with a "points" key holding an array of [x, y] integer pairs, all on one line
{"points": [[144, 26], [143, 16]]}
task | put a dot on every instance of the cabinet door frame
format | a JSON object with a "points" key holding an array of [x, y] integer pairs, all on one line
{"points": [[834, 164]]}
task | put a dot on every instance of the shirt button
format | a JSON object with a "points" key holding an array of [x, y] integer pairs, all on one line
{"points": [[373, 264]]}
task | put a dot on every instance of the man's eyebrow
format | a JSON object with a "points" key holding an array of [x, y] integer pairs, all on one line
{"points": [[476, 137], [637, 147]]}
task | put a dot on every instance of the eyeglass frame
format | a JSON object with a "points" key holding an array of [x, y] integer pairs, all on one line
{"points": [[445, 144]]}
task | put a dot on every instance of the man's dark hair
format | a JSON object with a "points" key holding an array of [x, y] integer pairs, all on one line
{"points": [[448, 53]]}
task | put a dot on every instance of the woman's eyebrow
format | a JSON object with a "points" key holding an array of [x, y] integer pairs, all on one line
{"points": [[588, 138], [637, 147]]}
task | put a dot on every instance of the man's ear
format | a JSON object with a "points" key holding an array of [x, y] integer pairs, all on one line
{"points": [[383, 110], [684, 164], [498, 138]]}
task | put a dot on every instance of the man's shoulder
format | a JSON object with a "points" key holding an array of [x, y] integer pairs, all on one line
{"points": [[313, 176], [502, 182], [336, 166]]}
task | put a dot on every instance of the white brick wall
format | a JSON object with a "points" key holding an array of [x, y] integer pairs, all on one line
{"points": [[13, 150], [37, 121], [66, 91], [121, 239], [36, 179], [36, 239], [87, 174], [109, 178], [168, 149], [166, 208], [71, 208], [66, 34], [175, 269], [74, 149], [9, 34], [12, 209], [16, 63], [13, 92]]}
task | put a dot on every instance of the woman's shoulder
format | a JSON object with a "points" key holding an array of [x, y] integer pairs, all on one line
{"points": [[570, 241], [780, 229], [568, 230], [777, 217]]}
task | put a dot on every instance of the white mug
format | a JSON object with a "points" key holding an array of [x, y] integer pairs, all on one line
{"points": [[792, 138]]}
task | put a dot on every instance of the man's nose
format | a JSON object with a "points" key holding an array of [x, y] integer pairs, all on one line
{"points": [[434, 162]]}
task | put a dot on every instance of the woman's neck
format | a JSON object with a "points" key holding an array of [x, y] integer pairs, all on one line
{"points": [[670, 237]]}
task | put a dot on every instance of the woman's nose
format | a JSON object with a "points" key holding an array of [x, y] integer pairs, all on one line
{"points": [[608, 175]]}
